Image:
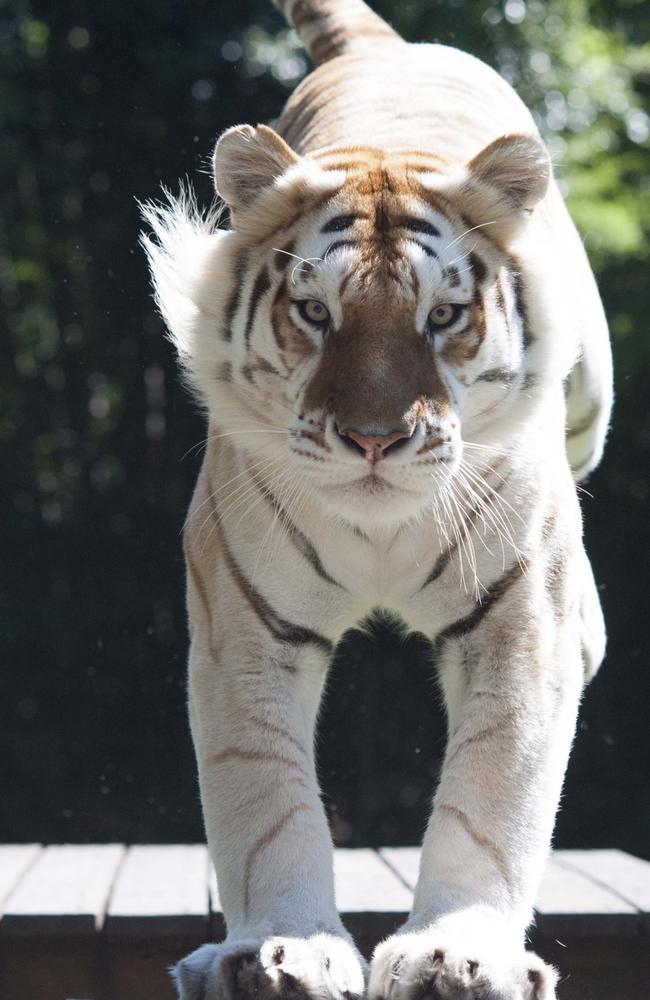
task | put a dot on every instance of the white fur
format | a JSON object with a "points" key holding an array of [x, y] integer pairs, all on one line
{"points": [[385, 572], [493, 494]]}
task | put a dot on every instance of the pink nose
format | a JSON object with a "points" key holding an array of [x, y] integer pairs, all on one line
{"points": [[374, 446]]}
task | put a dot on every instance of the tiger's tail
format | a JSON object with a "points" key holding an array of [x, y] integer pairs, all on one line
{"points": [[330, 28]]}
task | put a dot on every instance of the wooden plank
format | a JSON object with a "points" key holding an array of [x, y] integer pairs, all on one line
{"points": [[160, 890], [172, 889], [569, 900], [159, 912], [64, 958], [64, 892], [570, 903], [365, 884], [405, 862], [371, 899], [15, 860], [622, 873]]}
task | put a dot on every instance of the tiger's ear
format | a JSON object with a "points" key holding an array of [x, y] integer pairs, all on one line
{"points": [[247, 161], [503, 183]]}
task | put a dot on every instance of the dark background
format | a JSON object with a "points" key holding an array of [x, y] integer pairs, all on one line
{"points": [[101, 104]]}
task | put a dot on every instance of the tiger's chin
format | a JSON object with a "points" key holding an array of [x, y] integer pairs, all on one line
{"points": [[371, 501]]}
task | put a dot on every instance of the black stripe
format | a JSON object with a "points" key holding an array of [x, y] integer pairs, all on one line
{"points": [[235, 296], [260, 287], [263, 364], [463, 626], [429, 251], [336, 246], [259, 364], [520, 302], [452, 276], [440, 565], [307, 550], [442, 561], [338, 223], [501, 302], [504, 375], [502, 305], [280, 628], [300, 541], [224, 371], [284, 255], [479, 269], [419, 226]]}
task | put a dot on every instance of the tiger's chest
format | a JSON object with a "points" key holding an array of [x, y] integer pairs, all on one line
{"points": [[413, 575]]}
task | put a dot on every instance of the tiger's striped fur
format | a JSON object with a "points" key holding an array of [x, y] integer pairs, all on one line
{"points": [[403, 356]]}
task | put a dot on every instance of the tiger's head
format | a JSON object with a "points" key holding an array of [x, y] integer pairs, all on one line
{"points": [[364, 319]]}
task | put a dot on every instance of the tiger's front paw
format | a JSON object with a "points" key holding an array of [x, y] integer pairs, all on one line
{"points": [[321, 967], [434, 965]]}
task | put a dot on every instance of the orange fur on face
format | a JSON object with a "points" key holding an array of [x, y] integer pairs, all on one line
{"points": [[376, 370]]}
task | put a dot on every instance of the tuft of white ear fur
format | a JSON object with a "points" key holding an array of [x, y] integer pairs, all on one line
{"points": [[247, 161], [502, 184], [181, 241]]}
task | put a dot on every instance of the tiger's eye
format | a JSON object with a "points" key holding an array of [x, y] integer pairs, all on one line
{"points": [[314, 311], [443, 314]]}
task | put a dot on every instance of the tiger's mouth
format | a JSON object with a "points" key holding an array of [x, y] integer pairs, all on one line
{"points": [[373, 478], [370, 484], [374, 485]]}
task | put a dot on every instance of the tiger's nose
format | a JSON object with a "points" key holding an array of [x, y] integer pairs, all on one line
{"points": [[375, 444]]}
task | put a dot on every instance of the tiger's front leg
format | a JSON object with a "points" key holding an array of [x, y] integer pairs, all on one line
{"points": [[255, 686], [511, 672]]}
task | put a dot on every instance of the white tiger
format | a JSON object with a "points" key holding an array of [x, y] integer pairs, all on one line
{"points": [[397, 341]]}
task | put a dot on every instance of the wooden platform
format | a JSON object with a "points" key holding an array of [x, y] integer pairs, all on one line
{"points": [[104, 922]]}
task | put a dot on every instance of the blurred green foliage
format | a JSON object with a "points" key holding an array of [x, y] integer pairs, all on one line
{"points": [[100, 104]]}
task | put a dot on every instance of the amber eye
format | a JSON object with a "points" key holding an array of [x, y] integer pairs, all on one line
{"points": [[444, 314], [313, 311]]}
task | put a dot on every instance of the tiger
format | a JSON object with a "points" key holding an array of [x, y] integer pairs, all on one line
{"points": [[405, 365]]}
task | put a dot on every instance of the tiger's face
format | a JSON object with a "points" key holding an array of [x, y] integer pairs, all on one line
{"points": [[371, 316]]}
